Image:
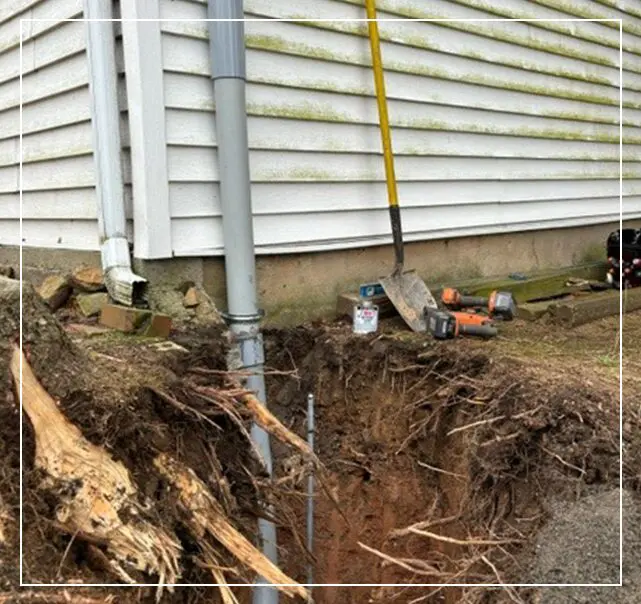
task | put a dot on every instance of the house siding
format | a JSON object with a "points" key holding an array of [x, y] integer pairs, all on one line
{"points": [[496, 126], [59, 195]]}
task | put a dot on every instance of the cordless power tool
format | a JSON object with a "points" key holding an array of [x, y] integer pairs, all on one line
{"points": [[444, 325], [500, 305]]}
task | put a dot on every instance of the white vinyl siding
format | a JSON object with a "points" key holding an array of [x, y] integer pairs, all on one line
{"points": [[59, 196], [496, 126]]}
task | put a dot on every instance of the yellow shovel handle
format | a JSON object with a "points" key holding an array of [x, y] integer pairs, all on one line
{"points": [[383, 118], [381, 100]]}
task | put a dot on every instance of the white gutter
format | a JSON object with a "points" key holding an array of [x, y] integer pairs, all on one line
{"points": [[123, 285]]}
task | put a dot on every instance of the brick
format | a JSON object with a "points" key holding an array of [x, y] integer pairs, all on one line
{"points": [[123, 318], [88, 279], [191, 298], [55, 291], [90, 305], [158, 327], [136, 321]]}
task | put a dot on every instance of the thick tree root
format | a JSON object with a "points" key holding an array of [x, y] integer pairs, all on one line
{"points": [[97, 497], [205, 517]]}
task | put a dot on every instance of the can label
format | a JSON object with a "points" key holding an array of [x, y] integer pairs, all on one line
{"points": [[365, 319]]}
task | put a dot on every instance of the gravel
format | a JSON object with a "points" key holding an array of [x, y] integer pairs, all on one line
{"points": [[580, 544]]}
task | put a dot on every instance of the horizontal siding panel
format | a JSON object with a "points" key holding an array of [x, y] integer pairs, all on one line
{"points": [[65, 142], [64, 173], [73, 204], [184, 91], [205, 237], [46, 82], [54, 112], [64, 41], [189, 55], [437, 138], [44, 9], [201, 164], [191, 200], [606, 34], [54, 234]]}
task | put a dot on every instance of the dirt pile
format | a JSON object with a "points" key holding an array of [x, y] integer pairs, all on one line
{"points": [[448, 464], [138, 465]]}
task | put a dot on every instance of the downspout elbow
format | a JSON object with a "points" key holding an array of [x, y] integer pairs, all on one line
{"points": [[123, 285]]}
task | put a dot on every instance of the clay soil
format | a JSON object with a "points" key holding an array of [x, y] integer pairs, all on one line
{"points": [[459, 462]]}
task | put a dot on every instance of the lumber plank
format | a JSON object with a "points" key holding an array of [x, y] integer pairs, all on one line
{"points": [[596, 306]]}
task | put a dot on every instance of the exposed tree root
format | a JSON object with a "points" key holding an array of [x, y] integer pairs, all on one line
{"points": [[206, 518], [97, 498], [4, 521], [50, 598]]}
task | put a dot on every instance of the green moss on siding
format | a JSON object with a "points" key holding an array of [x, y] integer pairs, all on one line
{"points": [[559, 49], [280, 44], [423, 43], [305, 111], [546, 25]]}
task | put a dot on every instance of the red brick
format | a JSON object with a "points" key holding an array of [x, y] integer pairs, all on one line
{"points": [[123, 318], [159, 327]]}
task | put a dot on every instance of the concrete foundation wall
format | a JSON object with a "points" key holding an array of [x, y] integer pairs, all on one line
{"points": [[297, 287]]}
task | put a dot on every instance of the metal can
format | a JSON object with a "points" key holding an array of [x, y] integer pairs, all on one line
{"points": [[365, 317]]}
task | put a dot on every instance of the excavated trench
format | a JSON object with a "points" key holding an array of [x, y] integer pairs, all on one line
{"points": [[443, 465]]}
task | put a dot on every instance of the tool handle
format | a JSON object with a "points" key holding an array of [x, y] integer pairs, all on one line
{"points": [[386, 137], [397, 235], [473, 301], [483, 331]]}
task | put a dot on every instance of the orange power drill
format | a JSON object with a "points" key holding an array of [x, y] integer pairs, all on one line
{"points": [[498, 304], [445, 325]]}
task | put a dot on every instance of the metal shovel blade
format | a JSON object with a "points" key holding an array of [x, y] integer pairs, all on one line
{"points": [[409, 295]]}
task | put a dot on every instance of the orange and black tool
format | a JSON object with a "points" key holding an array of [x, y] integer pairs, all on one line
{"points": [[445, 325], [498, 304]]}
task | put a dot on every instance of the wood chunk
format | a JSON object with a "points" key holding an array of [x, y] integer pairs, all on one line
{"points": [[532, 311], [55, 291]]}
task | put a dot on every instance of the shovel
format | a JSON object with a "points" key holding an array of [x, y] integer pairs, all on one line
{"points": [[405, 289]]}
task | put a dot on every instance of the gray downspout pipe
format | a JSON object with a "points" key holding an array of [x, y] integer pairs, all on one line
{"points": [[227, 46], [123, 285]]}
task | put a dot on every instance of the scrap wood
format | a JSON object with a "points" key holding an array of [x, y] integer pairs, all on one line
{"points": [[204, 516], [4, 521], [596, 306], [97, 497]]}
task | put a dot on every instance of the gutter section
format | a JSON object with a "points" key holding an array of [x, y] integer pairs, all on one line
{"points": [[123, 285]]}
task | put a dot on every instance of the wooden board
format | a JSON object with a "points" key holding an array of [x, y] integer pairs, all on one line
{"points": [[595, 306]]}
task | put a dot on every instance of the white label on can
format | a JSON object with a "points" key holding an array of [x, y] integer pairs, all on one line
{"points": [[365, 319]]}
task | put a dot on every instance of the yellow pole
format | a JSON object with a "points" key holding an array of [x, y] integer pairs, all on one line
{"points": [[381, 100]]}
